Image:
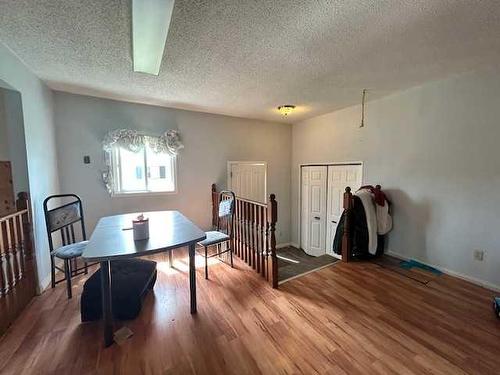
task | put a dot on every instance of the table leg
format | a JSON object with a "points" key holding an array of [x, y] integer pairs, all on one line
{"points": [[192, 277], [170, 261], [107, 312]]}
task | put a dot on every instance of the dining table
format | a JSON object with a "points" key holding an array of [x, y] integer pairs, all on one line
{"points": [[113, 239]]}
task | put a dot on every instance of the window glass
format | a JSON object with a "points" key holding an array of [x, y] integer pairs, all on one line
{"points": [[143, 171]]}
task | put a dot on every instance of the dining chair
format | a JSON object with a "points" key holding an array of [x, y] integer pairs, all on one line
{"points": [[65, 224], [224, 230]]}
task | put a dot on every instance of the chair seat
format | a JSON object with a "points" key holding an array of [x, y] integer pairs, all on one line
{"points": [[70, 251], [214, 237]]}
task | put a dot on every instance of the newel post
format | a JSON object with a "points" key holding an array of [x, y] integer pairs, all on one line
{"points": [[28, 253], [272, 260], [22, 203], [346, 237]]}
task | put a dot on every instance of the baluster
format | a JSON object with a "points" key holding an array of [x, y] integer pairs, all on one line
{"points": [[254, 242], [263, 221], [14, 249], [7, 255], [3, 249], [240, 244], [249, 234], [236, 215], [19, 226], [244, 227], [257, 237], [250, 227], [234, 226], [249, 251]]}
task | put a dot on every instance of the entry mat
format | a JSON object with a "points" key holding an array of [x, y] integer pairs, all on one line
{"points": [[293, 262]]}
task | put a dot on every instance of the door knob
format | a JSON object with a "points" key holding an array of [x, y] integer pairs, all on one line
{"points": [[334, 222], [317, 218]]}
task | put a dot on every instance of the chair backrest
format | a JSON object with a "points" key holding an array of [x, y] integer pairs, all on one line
{"points": [[63, 219], [227, 203]]}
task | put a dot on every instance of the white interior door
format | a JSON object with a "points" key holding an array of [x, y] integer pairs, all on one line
{"points": [[339, 177], [248, 180], [313, 215]]}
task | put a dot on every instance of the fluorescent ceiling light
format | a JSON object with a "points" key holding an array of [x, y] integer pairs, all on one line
{"points": [[150, 23]]}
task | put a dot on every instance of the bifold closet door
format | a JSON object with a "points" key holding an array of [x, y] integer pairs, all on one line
{"points": [[313, 210], [339, 177]]}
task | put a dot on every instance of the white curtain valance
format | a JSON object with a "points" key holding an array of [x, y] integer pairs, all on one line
{"points": [[132, 140], [169, 142]]}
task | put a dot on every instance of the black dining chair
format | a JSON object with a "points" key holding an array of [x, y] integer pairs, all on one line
{"points": [[224, 230], [65, 224]]}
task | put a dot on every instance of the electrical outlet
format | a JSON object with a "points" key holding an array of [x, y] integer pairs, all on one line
{"points": [[479, 255]]}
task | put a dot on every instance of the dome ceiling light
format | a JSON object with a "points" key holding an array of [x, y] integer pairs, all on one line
{"points": [[286, 109]]}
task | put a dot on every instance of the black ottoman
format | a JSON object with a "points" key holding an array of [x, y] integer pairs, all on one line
{"points": [[131, 279]]}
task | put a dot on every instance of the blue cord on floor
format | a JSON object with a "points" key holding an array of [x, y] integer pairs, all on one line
{"points": [[409, 264]]}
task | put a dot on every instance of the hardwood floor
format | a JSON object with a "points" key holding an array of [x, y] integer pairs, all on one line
{"points": [[355, 318]]}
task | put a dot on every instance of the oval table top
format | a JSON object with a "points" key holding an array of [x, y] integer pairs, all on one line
{"points": [[113, 237]]}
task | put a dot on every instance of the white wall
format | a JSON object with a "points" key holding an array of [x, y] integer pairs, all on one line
{"points": [[12, 144], [434, 149], [4, 144], [210, 141], [40, 145]]}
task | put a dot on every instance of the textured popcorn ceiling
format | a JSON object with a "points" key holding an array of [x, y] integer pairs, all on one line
{"points": [[246, 57]]}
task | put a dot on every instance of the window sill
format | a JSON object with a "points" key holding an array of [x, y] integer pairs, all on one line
{"points": [[143, 194]]}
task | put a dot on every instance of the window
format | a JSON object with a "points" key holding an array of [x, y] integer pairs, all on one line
{"points": [[144, 171]]}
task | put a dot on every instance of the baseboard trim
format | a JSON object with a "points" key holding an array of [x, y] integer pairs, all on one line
{"points": [[470, 279], [44, 284]]}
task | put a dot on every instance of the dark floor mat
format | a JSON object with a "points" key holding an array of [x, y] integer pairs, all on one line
{"points": [[294, 262]]}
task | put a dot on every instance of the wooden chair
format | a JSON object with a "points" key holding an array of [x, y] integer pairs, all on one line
{"points": [[63, 219], [224, 229]]}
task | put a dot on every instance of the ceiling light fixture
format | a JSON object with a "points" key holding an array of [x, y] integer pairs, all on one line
{"points": [[150, 23], [286, 109]]}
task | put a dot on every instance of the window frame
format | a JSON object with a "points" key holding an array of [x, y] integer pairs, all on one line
{"points": [[115, 171]]}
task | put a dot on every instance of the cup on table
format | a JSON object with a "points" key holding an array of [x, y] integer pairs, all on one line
{"points": [[140, 228]]}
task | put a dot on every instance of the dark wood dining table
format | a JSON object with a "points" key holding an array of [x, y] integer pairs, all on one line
{"points": [[113, 239]]}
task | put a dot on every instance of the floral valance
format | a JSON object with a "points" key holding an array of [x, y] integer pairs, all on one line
{"points": [[132, 140], [169, 142]]}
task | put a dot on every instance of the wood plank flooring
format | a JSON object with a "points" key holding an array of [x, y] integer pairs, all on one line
{"points": [[355, 318]]}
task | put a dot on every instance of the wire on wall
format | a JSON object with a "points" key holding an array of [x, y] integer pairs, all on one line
{"points": [[363, 109]]}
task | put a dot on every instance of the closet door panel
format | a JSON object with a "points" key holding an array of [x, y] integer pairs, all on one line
{"points": [[314, 210], [339, 177]]}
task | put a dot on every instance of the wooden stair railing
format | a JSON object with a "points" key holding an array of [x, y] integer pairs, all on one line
{"points": [[17, 263], [254, 239]]}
